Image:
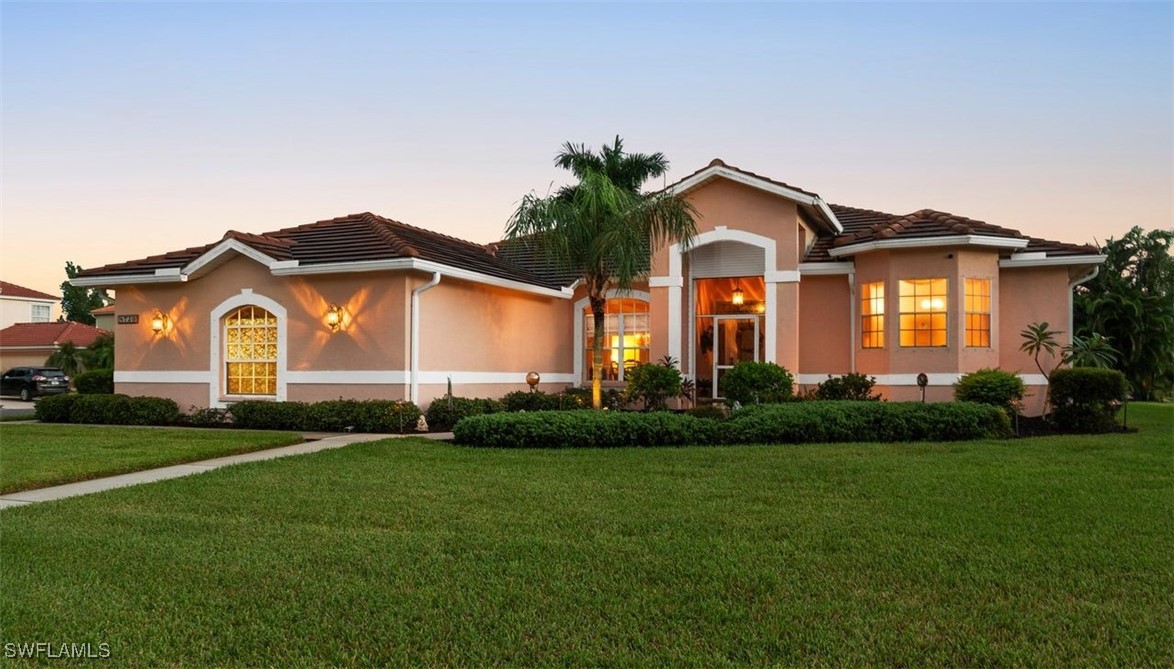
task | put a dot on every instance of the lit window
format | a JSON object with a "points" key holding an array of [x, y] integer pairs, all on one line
{"points": [[250, 335], [872, 315], [923, 312], [626, 337], [40, 313], [978, 312]]}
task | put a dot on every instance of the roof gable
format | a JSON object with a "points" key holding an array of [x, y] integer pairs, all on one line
{"points": [[49, 335], [12, 290]]}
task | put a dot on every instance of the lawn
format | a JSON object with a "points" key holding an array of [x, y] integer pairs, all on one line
{"points": [[1050, 552], [35, 456]]}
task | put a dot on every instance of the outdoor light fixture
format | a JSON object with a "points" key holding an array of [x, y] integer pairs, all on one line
{"points": [[533, 378], [739, 296], [158, 322], [334, 317], [761, 308]]}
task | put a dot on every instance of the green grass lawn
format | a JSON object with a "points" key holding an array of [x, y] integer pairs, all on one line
{"points": [[1052, 552], [35, 456]]}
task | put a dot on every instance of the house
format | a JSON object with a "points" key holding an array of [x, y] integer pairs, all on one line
{"points": [[30, 344], [25, 305], [104, 317], [363, 306]]}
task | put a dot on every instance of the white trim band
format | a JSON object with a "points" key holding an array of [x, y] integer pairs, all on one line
{"points": [[929, 242], [1033, 260], [935, 379]]}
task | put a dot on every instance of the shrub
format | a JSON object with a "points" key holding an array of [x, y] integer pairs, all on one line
{"points": [[817, 421], [580, 398], [121, 410], [262, 415], [757, 383], [152, 411], [95, 382], [207, 417], [715, 411], [443, 414], [852, 386], [991, 386], [523, 400], [653, 384], [54, 408], [1086, 399]]}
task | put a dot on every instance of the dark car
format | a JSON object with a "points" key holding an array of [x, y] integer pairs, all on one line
{"points": [[29, 382]]}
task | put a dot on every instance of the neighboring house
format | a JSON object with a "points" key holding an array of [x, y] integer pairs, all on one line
{"points": [[104, 317], [365, 307], [25, 305], [29, 344]]}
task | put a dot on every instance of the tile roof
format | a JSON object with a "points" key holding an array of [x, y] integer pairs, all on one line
{"points": [[351, 238], [48, 335], [104, 311], [13, 290], [718, 162]]}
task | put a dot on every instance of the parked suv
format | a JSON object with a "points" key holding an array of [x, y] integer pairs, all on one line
{"points": [[28, 382]]}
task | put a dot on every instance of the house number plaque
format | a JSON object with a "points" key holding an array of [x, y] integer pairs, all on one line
{"points": [[128, 319]]}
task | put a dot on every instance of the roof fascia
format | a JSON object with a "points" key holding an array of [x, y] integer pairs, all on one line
{"points": [[826, 268], [814, 202], [47, 300], [929, 242], [423, 266], [212, 255], [161, 275], [1054, 261]]}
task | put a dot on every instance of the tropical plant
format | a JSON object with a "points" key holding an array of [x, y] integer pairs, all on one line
{"points": [[1038, 339], [655, 384], [67, 358], [1091, 351], [77, 301], [757, 383], [1130, 302], [603, 228], [100, 353]]}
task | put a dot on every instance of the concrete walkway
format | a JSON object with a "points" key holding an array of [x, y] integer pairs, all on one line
{"points": [[175, 471]]}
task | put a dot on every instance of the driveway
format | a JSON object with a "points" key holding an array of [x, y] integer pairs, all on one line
{"points": [[11, 406]]}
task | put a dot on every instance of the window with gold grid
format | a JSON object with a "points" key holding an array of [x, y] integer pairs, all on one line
{"points": [[250, 354], [978, 312], [922, 309], [872, 315]]}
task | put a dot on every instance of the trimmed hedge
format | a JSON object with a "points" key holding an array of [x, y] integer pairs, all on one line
{"points": [[991, 386], [1086, 399], [757, 383], [95, 382], [107, 410], [851, 386], [376, 416], [445, 412], [806, 422]]}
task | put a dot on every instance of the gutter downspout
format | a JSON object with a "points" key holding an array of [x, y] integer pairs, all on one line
{"points": [[1071, 286], [414, 371], [852, 321]]}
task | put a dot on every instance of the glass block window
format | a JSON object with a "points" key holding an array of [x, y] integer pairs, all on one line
{"points": [[922, 312], [250, 336], [872, 315], [626, 337], [978, 312]]}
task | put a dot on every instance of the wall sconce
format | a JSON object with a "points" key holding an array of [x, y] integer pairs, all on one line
{"points": [[739, 297], [334, 317], [532, 379], [158, 323]]}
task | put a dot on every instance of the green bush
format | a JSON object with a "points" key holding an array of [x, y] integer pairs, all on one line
{"points": [[1086, 399], [122, 410], [580, 398], [652, 384], [95, 382], [207, 417], [443, 414], [852, 386], [991, 386], [373, 416], [805, 422], [54, 408], [524, 400], [757, 383], [263, 415], [715, 411]]}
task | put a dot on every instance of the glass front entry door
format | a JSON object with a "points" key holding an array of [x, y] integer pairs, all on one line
{"points": [[735, 340]]}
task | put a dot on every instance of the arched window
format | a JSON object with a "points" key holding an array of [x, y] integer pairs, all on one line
{"points": [[250, 351], [626, 337]]}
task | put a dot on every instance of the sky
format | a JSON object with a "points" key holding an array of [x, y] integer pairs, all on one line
{"points": [[135, 129]]}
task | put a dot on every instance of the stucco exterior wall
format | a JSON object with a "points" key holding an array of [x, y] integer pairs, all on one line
{"points": [[23, 358], [20, 310], [1032, 295], [825, 325]]}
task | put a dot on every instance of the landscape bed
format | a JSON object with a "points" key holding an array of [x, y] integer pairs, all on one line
{"points": [[1050, 552]]}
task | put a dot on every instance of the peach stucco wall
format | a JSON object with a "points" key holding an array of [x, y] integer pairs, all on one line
{"points": [[824, 325]]}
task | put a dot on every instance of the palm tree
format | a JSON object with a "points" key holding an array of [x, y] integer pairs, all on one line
{"points": [[67, 358], [603, 228], [100, 354]]}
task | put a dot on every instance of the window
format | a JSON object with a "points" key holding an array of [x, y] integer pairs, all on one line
{"points": [[872, 315], [978, 312], [923, 312], [250, 335], [625, 340], [40, 313]]}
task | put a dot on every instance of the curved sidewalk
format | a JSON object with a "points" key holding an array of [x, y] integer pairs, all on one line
{"points": [[175, 471]]}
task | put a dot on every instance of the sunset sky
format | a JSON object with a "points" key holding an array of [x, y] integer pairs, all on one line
{"points": [[135, 129]]}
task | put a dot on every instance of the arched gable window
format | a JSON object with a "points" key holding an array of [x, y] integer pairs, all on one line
{"points": [[250, 351]]}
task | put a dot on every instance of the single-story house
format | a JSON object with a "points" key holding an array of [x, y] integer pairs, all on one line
{"points": [[25, 305], [363, 306], [104, 317], [30, 344]]}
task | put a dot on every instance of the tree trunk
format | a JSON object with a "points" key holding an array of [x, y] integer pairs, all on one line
{"points": [[599, 311]]}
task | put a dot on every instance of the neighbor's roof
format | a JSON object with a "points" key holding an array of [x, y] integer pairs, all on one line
{"points": [[104, 311], [353, 238], [13, 290], [48, 335]]}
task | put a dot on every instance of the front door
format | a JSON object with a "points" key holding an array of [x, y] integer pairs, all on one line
{"points": [[735, 340]]}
